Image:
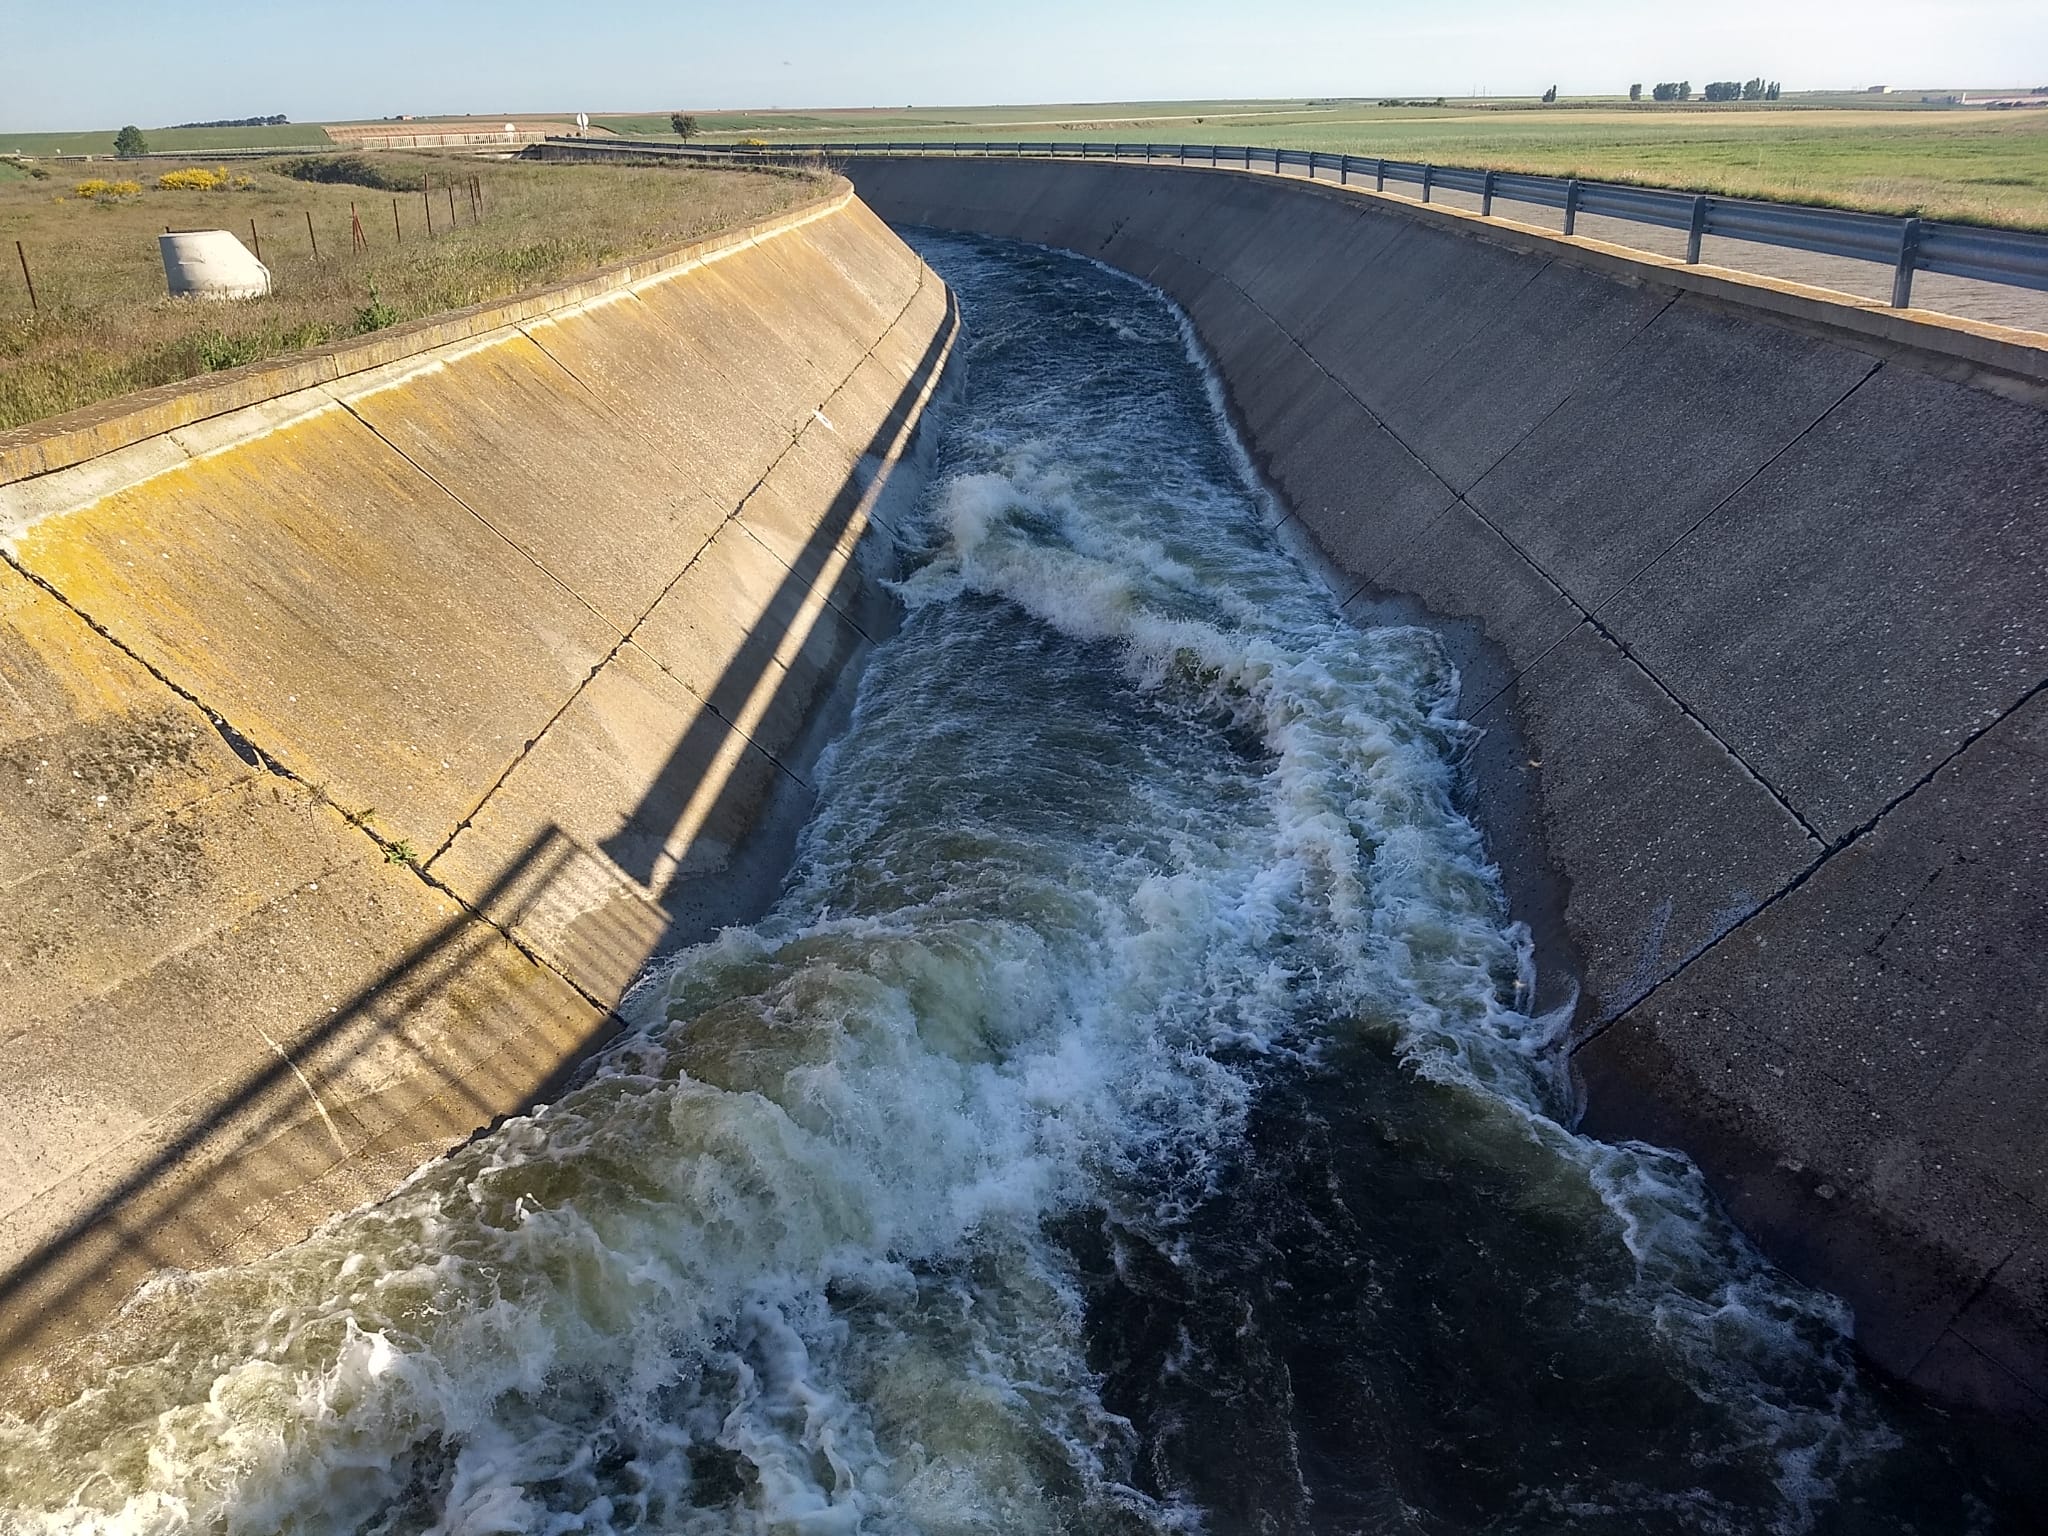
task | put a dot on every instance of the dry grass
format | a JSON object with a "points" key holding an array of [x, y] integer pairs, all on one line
{"points": [[105, 326]]}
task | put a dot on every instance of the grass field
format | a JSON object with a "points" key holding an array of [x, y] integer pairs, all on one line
{"points": [[106, 327], [100, 141], [1892, 155], [1889, 154]]}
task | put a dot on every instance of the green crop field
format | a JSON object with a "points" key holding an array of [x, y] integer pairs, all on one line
{"points": [[1887, 154], [100, 141]]}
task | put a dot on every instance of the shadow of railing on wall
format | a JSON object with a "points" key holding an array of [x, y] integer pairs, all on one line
{"points": [[352, 1104]]}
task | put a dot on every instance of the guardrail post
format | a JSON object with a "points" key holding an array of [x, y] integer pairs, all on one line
{"points": [[1428, 179], [1697, 232], [1571, 207], [1311, 165], [1486, 198], [1343, 170], [1247, 157], [1379, 176], [1909, 258]]}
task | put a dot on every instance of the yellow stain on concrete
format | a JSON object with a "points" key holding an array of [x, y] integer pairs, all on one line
{"points": [[541, 593]]}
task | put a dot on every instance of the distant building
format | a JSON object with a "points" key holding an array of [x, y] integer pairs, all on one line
{"points": [[1877, 90]]}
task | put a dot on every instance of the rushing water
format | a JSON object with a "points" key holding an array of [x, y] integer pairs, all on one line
{"points": [[1128, 1120]]}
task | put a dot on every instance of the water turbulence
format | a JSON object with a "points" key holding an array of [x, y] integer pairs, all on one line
{"points": [[1130, 1119]]}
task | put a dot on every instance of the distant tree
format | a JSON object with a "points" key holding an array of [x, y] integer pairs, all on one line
{"points": [[129, 142], [684, 123], [1684, 90], [1753, 90], [1550, 95], [1724, 90], [275, 120], [1635, 92], [1670, 90], [1771, 91]]}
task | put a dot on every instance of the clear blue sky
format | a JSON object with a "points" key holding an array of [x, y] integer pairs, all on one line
{"points": [[105, 62]]}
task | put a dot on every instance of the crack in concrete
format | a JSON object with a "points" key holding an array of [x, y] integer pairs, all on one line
{"points": [[1830, 853], [469, 818], [316, 792]]}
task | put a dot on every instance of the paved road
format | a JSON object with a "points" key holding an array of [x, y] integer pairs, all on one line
{"points": [[1993, 302]]}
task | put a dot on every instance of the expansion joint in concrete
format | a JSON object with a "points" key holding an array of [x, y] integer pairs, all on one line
{"points": [[237, 741], [627, 638], [446, 490], [1829, 852], [1445, 359], [1761, 470], [270, 763], [1783, 801]]}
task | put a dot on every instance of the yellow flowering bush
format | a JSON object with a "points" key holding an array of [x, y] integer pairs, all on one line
{"points": [[107, 191], [194, 179]]}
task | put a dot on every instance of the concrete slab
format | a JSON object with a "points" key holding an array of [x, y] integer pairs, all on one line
{"points": [[594, 503], [1665, 843], [2001, 1321], [751, 638], [1360, 494], [1426, 294], [1302, 271], [826, 316], [810, 513], [1275, 392], [868, 255], [244, 1137], [1888, 1050], [1692, 408], [1551, 339], [1212, 220], [1496, 613], [638, 768], [90, 743], [1843, 622], [1842, 1203], [301, 586], [714, 435]]}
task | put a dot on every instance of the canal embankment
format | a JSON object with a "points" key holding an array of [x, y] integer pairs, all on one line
{"points": [[1744, 582], [374, 715]]}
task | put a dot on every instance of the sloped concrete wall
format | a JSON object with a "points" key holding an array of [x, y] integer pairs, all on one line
{"points": [[1746, 585], [367, 720]]}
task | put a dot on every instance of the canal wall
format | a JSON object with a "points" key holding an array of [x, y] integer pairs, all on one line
{"points": [[1746, 586], [368, 719]]}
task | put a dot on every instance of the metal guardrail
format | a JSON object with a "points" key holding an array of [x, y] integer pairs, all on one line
{"points": [[2015, 258]]}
